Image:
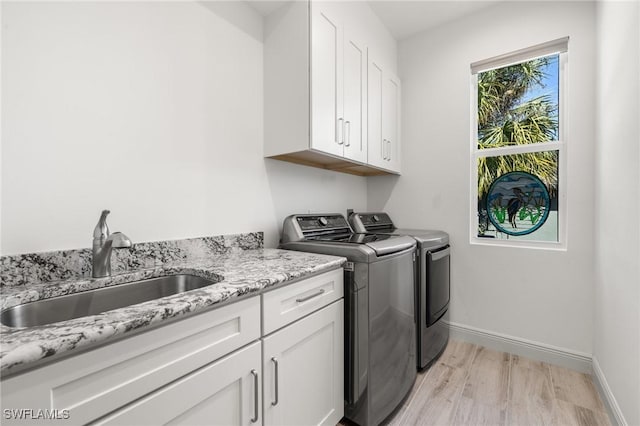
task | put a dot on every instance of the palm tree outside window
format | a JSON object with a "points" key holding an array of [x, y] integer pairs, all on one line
{"points": [[518, 147]]}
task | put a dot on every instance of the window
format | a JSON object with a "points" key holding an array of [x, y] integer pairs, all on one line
{"points": [[518, 148]]}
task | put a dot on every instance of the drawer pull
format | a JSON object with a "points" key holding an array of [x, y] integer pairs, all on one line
{"points": [[304, 299], [255, 396], [275, 363]]}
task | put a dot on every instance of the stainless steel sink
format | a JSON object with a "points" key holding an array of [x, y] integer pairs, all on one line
{"points": [[93, 302]]}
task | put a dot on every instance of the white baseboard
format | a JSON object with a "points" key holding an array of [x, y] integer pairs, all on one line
{"points": [[534, 350], [607, 396]]}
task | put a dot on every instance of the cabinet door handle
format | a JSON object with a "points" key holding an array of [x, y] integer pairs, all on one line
{"points": [[384, 149], [389, 150], [340, 131], [275, 364], [304, 299], [347, 125], [255, 396]]}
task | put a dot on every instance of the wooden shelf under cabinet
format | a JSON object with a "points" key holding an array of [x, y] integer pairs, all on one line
{"points": [[324, 161]]}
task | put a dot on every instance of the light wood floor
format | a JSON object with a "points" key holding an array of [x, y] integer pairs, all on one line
{"points": [[473, 385]]}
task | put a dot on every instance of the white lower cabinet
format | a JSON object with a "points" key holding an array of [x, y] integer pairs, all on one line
{"points": [[225, 392], [205, 369], [303, 370], [93, 384]]}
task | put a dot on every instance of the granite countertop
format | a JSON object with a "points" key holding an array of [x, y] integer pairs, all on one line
{"points": [[239, 274]]}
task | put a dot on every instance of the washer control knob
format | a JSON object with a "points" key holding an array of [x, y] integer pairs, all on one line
{"points": [[323, 221], [375, 218]]}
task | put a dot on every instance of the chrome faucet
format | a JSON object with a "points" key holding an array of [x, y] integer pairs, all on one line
{"points": [[103, 243]]}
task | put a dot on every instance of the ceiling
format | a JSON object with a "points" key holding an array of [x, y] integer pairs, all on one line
{"points": [[265, 7], [404, 18]]}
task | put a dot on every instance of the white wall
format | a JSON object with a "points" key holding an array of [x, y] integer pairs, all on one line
{"points": [[542, 296], [151, 109], [617, 284]]}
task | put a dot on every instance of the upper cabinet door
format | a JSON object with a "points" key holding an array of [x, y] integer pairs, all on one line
{"points": [[391, 121], [376, 153], [355, 98], [383, 116], [327, 118]]}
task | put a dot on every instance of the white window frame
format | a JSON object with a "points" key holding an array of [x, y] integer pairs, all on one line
{"points": [[559, 47]]}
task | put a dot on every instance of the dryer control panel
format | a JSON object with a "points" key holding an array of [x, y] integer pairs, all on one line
{"points": [[370, 222]]}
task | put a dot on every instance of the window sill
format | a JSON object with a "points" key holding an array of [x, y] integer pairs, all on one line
{"points": [[491, 242]]}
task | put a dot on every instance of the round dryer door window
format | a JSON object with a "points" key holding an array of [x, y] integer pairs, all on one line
{"points": [[518, 203]]}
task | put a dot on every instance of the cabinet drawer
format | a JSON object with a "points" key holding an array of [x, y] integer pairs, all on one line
{"points": [[99, 381], [287, 304], [226, 392]]}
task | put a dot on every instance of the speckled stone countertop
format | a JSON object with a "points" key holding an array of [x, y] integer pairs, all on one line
{"points": [[238, 273]]}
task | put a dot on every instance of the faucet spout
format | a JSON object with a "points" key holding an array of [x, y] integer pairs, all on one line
{"points": [[102, 229], [103, 243]]}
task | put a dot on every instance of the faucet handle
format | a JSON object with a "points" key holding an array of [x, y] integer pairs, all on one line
{"points": [[120, 240], [102, 230]]}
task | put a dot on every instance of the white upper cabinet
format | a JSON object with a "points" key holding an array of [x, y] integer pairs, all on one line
{"points": [[377, 153], [338, 85], [327, 112], [316, 87], [355, 97], [383, 116], [391, 121]]}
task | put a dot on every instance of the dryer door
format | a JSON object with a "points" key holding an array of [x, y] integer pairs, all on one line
{"points": [[438, 269]]}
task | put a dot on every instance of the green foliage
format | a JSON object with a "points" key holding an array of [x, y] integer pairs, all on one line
{"points": [[535, 215], [500, 213], [505, 119], [522, 213]]}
